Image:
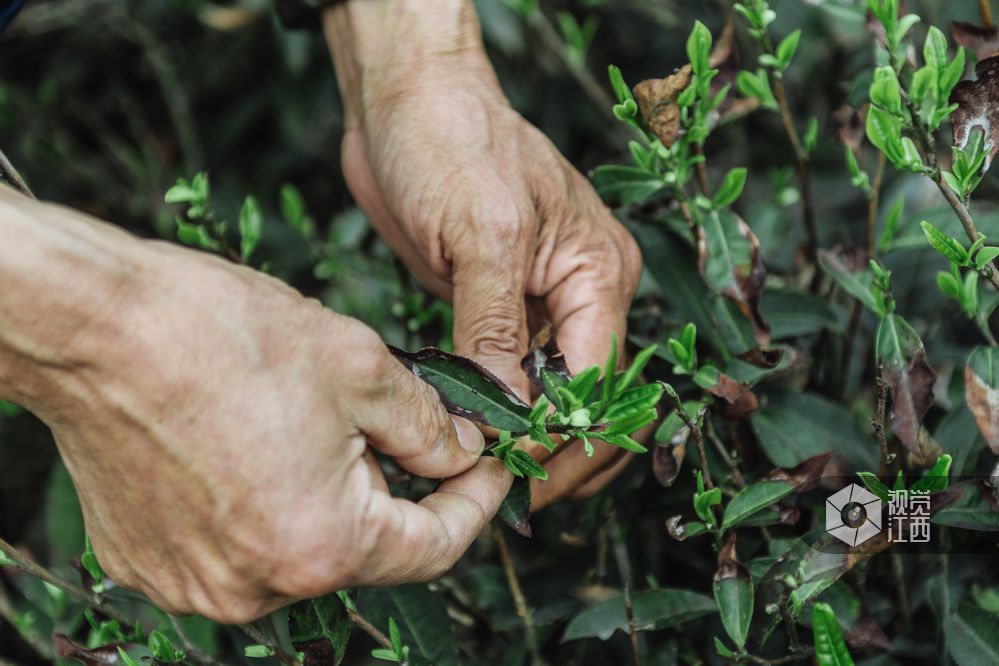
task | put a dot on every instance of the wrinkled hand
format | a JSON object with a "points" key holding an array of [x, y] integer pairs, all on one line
{"points": [[217, 425], [487, 213]]}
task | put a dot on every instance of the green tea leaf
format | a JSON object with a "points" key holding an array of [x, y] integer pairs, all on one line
{"points": [[830, 648], [251, 224], [754, 497], [652, 610], [972, 636], [467, 389], [733, 589], [731, 187]]}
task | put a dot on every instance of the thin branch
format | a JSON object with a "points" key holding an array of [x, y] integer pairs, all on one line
{"points": [[697, 434], [193, 652], [520, 603], [368, 628], [627, 578], [880, 421], [275, 650], [550, 39], [701, 170], [800, 156], [88, 599], [872, 220], [804, 654], [985, 9], [927, 147], [723, 452], [42, 647], [9, 174]]}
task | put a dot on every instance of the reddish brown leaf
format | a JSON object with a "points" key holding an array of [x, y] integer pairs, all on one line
{"points": [[763, 358], [544, 355], [911, 388], [851, 127], [740, 399], [805, 475], [981, 392], [666, 462], [728, 565], [657, 101], [99, 656], [983, 42], [978, 107], [730, 262]]}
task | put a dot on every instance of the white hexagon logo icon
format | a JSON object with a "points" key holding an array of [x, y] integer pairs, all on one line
{"points": [[853, 515]]}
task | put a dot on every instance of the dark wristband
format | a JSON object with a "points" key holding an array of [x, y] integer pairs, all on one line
{"points": [[301, 13]]}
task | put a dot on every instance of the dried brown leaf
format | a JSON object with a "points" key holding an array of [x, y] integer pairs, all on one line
{"points": [[983, 401], [728, 564], [666, 462], [740, 399], [911, 388], [657, 101], [805, 475], [851, 127], [729, 260], [99, 656], [978, 107], [866, 632], [982, 41]]}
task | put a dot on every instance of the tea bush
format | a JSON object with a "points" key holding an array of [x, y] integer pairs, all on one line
{"points": [[808, 182]]}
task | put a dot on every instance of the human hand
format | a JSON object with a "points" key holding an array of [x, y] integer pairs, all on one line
{"points": [[479, 203], [217, 424]]}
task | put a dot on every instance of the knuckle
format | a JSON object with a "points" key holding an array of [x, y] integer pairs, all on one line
{"points": [[496, 332]]}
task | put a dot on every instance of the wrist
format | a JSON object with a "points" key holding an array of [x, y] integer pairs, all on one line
{"points": [[66, 280], [381, 48]]}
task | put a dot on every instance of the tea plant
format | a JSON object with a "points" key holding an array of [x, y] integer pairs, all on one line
{"points": [[811, 314]]}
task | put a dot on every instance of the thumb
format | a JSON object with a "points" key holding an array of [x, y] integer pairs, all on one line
{"points": [[402, 416], [490, 317]]}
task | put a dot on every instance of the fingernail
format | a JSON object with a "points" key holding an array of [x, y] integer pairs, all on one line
{"points": [[469, 436]]}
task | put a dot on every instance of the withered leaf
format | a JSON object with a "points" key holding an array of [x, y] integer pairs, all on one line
{"points": [[740, 400], [657, 101], [729, 260], [723, 58], [545, 365], [978, 107], [666, 463], [981, 392], [851, 125], [982, 41], [805, 475], [764, 358], [467, 389], [909, 377], [98, 656]]}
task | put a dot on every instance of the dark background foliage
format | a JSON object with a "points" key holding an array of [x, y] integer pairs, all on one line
{"points": [[105, 103]]}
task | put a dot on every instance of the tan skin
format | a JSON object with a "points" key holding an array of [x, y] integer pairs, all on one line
{"points": [[220, 428]]}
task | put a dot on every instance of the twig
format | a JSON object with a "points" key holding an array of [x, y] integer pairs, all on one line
{"points": [[723, 452], [368, 628], [903, 593], [37, 643], [800, 156], [520, 603], [275, 650], [627, 578], [804, 654], [854, 325], [872, 201], [86, 598], [10, 174], [985, 9], [597, 93], [698, 436], [927, 147], [700, 170], [193, 652], [880, 418], [791, 625]]}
